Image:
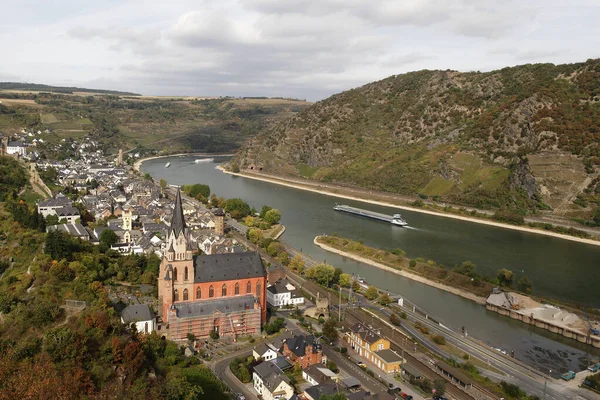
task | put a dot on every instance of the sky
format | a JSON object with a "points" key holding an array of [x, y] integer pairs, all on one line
{"points": [[293, 48]]}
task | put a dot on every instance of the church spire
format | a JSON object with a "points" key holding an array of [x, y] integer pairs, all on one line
{"points": [[178, 222]]}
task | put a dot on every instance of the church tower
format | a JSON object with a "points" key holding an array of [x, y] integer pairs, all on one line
{"points": [[176, 277], [120, 158]]}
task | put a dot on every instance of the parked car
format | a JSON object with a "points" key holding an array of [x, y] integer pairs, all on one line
{"points": [[406, 396], [361, 364], [439, 398], [594, 368]]}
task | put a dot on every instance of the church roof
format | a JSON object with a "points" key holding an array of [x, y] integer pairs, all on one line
{"points": [[227, 267], [224, 305], [178, 222]]}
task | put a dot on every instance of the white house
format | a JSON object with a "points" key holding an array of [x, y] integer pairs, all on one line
{"points": [[283, 293], [316, 375], [50, 206], [265, 351], [271, 383], [141, 316], [16, 148]]}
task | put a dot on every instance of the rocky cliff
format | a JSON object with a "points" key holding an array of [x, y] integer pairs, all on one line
{"points": [[471, 138]]}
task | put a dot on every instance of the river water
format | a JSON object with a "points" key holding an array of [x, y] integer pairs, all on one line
{"points": [[559, 269]]}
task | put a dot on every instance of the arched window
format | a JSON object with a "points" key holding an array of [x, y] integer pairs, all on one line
{"points": [[237, 288], [185, 294], [224, 290], [176, 296], [198, 293], [211, 291], [258, 288], [185, 274], [248, 288], [175, 274]]}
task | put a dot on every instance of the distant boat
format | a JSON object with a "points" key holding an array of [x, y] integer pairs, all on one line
{"points": [[204, 160], [167, 165]]}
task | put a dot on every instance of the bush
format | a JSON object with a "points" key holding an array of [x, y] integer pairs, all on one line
{"points": [[274, 326], [412, 263], [439, 339], [395, 319], [214, 335]]}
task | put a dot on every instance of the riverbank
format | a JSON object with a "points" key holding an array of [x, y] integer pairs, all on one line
{"points": [[138, 163], [406, 274], [356, 195]]}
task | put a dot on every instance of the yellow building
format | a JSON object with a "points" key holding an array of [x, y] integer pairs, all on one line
{"points": [[375, 348]]}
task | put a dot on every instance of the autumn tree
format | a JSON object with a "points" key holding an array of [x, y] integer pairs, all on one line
{"points": [[371, 293], [505, 277]]}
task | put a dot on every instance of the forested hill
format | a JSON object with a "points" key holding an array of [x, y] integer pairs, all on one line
{"points": [[520, 138], [59, 89]]}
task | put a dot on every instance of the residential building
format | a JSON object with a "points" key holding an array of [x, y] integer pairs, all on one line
{"points": [[283, 293], [303, 350], [49, 207], [370, 344], [265, 351], [141, 316], [316, 375], [74, 230], [323, 389], [271, 383], [68, 213], [16, 148]]}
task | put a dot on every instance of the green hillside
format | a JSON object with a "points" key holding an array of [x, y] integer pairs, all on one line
{"points": [[524, 138], [148, 124]]}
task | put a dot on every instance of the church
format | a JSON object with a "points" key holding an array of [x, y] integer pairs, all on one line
{"points": [[197, 294]]}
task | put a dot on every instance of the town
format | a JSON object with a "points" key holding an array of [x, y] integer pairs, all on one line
{"points": [[230, 294]]}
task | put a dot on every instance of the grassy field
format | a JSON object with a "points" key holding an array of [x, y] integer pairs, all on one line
{"points": [[48, 118], [306, 170]]}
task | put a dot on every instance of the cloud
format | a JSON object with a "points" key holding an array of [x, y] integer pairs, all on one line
{"points": [[310, 48]]}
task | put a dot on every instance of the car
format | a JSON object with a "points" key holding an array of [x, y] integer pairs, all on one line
{"points": [[439, 398], [594, 368], [361, 364], [406, 396]]}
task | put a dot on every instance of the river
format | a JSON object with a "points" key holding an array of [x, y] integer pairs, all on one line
{"points": [[559, 269]]}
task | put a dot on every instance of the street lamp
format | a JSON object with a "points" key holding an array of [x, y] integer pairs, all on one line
{"points": [[546, 383]]}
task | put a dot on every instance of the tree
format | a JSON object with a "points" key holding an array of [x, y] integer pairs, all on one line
{"points": [[321, 273], [235, 168], [147, 176], [108, 237], [197, 189], [297, 263], [272, 216], [356, 286], [329, 330], [412, 263], [385, 299], [440, 387], [163, 185], [332, 366], [596, 216], [254, 235], [466, 268], [237, 208], [345, 280], [274, 248], [395, 319], [505, 277], [264, 210], [371, 293], [214, 335], [525, 285], [51, 220]]}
